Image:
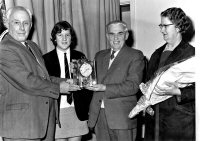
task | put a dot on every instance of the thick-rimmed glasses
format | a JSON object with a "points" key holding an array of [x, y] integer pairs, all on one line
{"points": [[164, 25]]}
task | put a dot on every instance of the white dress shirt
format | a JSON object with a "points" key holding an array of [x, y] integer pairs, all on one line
{"points": [[60, 53]]}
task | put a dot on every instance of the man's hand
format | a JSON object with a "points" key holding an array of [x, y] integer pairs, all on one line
{"points": [[96, 87], [66, 87]]}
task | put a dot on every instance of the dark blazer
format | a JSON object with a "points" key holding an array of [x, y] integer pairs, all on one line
{"points": [[178, 117], [122, 81], [81, 98], [26, 91]]}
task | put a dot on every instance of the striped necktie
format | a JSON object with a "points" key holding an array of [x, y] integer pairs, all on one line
{"points": [[112, 55]]}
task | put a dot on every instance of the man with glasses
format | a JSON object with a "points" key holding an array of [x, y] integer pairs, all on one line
{"points": [[119, 73]]}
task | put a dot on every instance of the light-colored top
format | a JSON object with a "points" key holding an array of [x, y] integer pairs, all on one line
{"points": [[60, 53]]}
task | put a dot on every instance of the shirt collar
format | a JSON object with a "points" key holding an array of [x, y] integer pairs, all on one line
{"points": [[63, 51], [116, 52]]}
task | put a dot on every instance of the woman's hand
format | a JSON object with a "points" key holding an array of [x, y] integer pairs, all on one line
{"points": [[142, 100], [171, 89]]}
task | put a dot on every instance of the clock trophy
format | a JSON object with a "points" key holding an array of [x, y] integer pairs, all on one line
{"points": [[84, 72]]}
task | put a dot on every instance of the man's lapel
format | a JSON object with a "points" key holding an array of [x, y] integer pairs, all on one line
{"points": [[55, 64], [38, 57]]}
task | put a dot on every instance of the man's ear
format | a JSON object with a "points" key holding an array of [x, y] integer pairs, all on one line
{"points": [[127, 34], [107, 35], [31, 25], [6, 23]]}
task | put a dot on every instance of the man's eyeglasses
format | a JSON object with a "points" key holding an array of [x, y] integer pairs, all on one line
{"points": [[164, 25]]}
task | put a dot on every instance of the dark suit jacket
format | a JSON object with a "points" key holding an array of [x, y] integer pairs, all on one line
{"points": [[26, 91], [176, 118], [81, 98], [122, 81]]}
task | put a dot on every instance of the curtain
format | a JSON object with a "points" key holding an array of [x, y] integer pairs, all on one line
{"points": [[88, 17]]}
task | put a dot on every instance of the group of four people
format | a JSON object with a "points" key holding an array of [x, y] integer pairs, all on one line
{"points": [[34, 88]]}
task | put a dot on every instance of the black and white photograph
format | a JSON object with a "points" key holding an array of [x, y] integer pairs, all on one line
{"points": [[99, 70]]}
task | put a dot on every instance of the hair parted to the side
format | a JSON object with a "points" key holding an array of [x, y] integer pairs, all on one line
{"points": [[116, 22], [178, 17]]}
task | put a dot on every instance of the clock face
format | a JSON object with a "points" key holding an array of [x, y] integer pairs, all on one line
{"points": [[86, 69]]}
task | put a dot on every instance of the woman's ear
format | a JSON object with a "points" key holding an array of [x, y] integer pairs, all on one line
{"points": [[177, 29]]}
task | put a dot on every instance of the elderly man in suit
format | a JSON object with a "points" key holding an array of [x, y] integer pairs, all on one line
{"points": [[28, 94], [119, 73]]}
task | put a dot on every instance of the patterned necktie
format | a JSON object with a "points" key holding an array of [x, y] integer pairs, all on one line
{"points": [[69, 96], [112, 55]]}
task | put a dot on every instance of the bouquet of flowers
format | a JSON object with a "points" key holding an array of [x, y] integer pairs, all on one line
{"points": [[182, 72]]}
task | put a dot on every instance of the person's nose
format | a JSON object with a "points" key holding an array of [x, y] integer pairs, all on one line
{"points": [[22, 26], [64, 37], [162, 29], [116, 36]]}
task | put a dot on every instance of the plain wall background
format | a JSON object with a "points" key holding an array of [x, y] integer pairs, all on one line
{"points": [[147, 19]]}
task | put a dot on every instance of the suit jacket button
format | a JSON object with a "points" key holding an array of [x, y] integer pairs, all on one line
{"points": [[47, 102]]}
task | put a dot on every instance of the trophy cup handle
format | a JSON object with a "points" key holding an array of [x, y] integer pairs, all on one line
{"points": [[94, 73]]}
